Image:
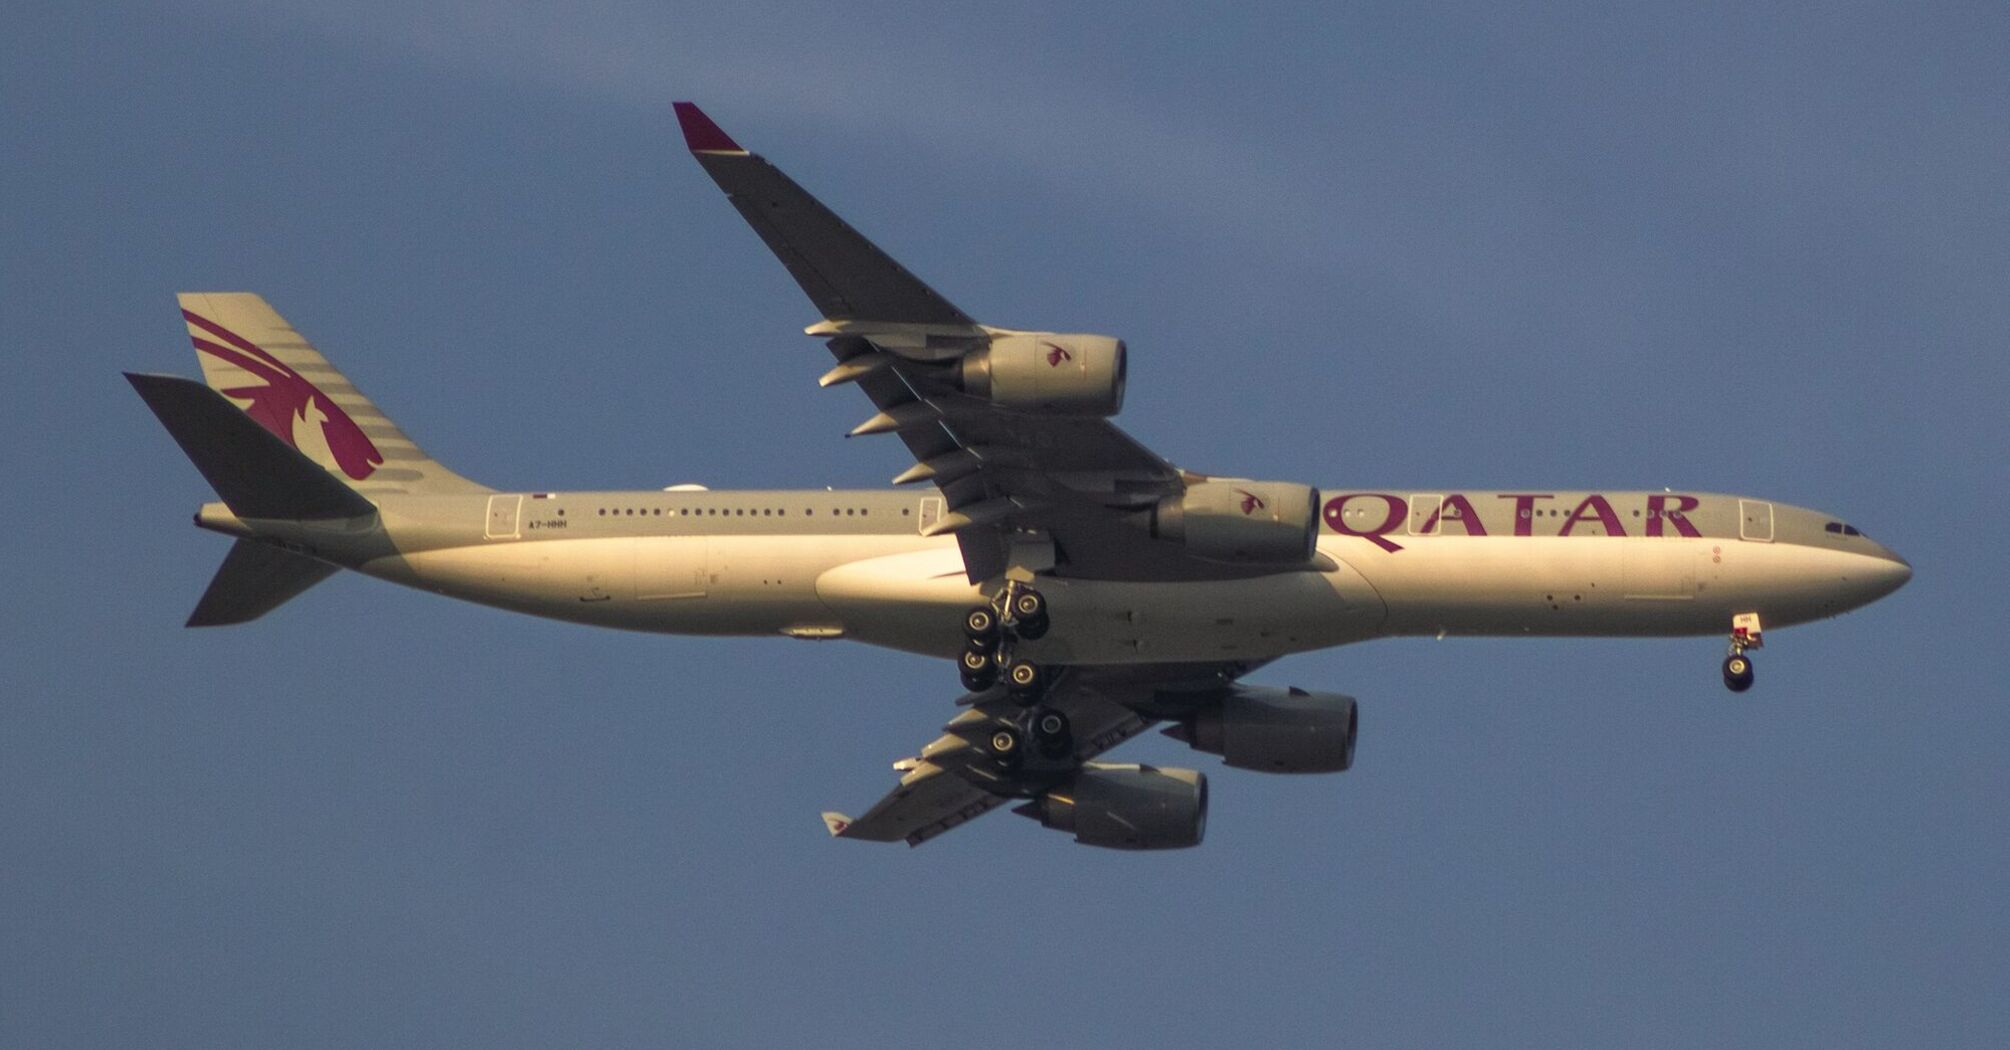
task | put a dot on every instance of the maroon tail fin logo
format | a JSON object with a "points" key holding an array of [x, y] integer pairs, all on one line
{"points": [[1251, 502], [281, 403], [1056, 354]]}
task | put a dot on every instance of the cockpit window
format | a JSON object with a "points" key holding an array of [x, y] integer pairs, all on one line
{"points": [[1850, 530], [1841, 529], [1835, 527]]}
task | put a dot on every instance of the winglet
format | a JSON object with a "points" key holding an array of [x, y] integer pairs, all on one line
{"points": [[700, 133], [836, 822]]}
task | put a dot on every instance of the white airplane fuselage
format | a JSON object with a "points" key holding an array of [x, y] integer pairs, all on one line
{"points": [[824, 564]]}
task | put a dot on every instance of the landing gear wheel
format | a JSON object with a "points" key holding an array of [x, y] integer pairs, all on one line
{"points": [[1738, 672], [1004, 746], [1025, 679], [979, 670], [1051, 733], [980, 625], [1029, 614]]}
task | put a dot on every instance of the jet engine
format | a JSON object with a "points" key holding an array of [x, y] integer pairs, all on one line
{"points": [[1261, 522], [1127, 807], [1075, 375], [1275, 730]]}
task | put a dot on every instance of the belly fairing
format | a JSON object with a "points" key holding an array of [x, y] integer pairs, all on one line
{"points": [[914, 602]]}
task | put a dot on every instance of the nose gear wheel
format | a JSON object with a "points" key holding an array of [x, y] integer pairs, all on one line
{"points": [[1746, 633], [1738, 672]]}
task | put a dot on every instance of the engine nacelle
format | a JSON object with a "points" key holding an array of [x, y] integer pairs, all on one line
{"points": [[1076, 375], [1276, 730], [1127, 807], [1261, 522]]}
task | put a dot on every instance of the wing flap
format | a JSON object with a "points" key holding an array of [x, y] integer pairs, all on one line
{"points": [[1075, 480], [947, 785], [921, 808]]}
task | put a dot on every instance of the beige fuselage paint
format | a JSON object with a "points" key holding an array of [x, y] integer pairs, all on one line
{"points": [[824, 564]]}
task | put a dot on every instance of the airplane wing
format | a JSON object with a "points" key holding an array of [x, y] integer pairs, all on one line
{"points": [[1074, 478], [956, 779]]}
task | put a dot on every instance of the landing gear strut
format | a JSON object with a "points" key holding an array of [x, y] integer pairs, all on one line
{"points": [[1745, 634], [1017, 613]]}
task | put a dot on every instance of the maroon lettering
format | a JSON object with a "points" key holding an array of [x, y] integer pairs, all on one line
{"points": [[1524, 510], [1456, 507], [1395, 511], [1594, 507], [1658, 512]]}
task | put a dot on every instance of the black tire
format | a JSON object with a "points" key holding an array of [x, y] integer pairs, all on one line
{"points": [[1029, 605], [979, 670], [1005, 747], [980, 624], [1738, 672], [1051, 732], [1025, 678], [1031, 630]]}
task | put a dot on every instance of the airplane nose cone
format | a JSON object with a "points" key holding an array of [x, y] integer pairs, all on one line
{"points": [[1891, 573]]}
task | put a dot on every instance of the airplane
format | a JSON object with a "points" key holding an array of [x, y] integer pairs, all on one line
{"points": [[1086, 588]]}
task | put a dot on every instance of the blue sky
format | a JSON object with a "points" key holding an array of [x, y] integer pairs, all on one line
{"points": [[1446, 245]]}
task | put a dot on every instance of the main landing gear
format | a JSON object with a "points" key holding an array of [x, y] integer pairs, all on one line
{"points": [[1745, 634], [990, 631]]}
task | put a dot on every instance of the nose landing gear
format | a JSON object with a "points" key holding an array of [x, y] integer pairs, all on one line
{"points": [[1738, 672], [1745, 634]]}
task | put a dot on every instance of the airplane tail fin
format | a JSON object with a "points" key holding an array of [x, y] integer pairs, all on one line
{"points": [[254, 579], [270, 372]]}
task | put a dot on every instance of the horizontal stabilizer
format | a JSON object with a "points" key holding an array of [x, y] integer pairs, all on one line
{"points": [[254, 579], [255, 473]]}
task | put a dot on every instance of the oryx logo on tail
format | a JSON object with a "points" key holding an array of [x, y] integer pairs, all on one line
{"points": [[1251, 502], [1057, 354], [282, 402]]}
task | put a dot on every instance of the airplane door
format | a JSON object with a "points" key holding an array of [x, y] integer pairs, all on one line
{"points": [[1426, 513], [1755, 520], [503, 514], [671, 567], [931, 512]]}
